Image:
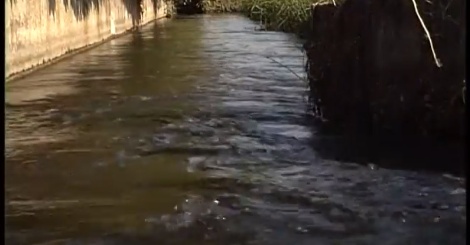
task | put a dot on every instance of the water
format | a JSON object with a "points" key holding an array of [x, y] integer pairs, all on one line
{"points": [[197, 131]]}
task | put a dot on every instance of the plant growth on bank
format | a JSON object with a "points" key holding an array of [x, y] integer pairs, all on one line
{"points": [[283, 15]]}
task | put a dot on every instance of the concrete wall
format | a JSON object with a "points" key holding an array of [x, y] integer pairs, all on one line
{"points": [[37, 31]]}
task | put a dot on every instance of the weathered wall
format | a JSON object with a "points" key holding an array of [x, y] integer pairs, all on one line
{"points": [[37, 31]]}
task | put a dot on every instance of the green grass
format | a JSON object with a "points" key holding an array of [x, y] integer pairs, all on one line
{"points": [[221, 6], [281, 15]]}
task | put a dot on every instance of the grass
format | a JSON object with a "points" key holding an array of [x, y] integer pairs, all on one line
{"points": [[280, 15], [221, 6]]}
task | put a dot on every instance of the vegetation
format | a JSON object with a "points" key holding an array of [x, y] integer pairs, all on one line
{"points": [[282, 15], [221, 6], [279, 15]]}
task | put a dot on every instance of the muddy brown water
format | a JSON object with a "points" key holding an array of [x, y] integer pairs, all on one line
{"points": [[187, 132]]}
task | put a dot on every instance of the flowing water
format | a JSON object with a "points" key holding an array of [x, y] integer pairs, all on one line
{"points": [[198, 131]]}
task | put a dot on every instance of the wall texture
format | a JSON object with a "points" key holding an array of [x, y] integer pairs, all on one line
{"points": [[37, 31]]}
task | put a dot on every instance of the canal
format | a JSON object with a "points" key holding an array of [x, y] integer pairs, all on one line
{"points": [[198, 130]]}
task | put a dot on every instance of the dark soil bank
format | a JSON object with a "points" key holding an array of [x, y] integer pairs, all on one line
{"points": [[371, 65], [188, 7]]}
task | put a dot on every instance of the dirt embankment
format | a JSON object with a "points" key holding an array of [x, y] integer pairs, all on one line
{"points": [[371, 66]]}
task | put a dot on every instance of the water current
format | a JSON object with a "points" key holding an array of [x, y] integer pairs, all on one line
{"points": [[198, 130]]}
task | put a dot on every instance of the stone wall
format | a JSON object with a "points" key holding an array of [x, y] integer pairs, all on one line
{"points": [[38, 31]]}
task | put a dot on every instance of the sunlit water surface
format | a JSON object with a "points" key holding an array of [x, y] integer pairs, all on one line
{"points": [[197, 131]]}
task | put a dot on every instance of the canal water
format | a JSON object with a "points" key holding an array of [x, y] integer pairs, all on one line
{"points": [[198, 130]]}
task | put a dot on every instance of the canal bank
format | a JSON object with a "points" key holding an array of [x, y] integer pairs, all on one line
{"points": [[40, 31]]}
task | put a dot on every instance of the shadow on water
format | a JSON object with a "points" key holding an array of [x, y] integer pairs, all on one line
{"points": [[395, 153]]}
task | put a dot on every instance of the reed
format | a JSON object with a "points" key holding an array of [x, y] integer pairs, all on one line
{"points": [[221, 6], [280, 15]]}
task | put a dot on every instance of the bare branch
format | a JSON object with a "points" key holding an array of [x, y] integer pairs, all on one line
{"points": [[428, 36]]}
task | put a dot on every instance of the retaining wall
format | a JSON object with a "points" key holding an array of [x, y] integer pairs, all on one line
{"points": [[38, 31]]}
